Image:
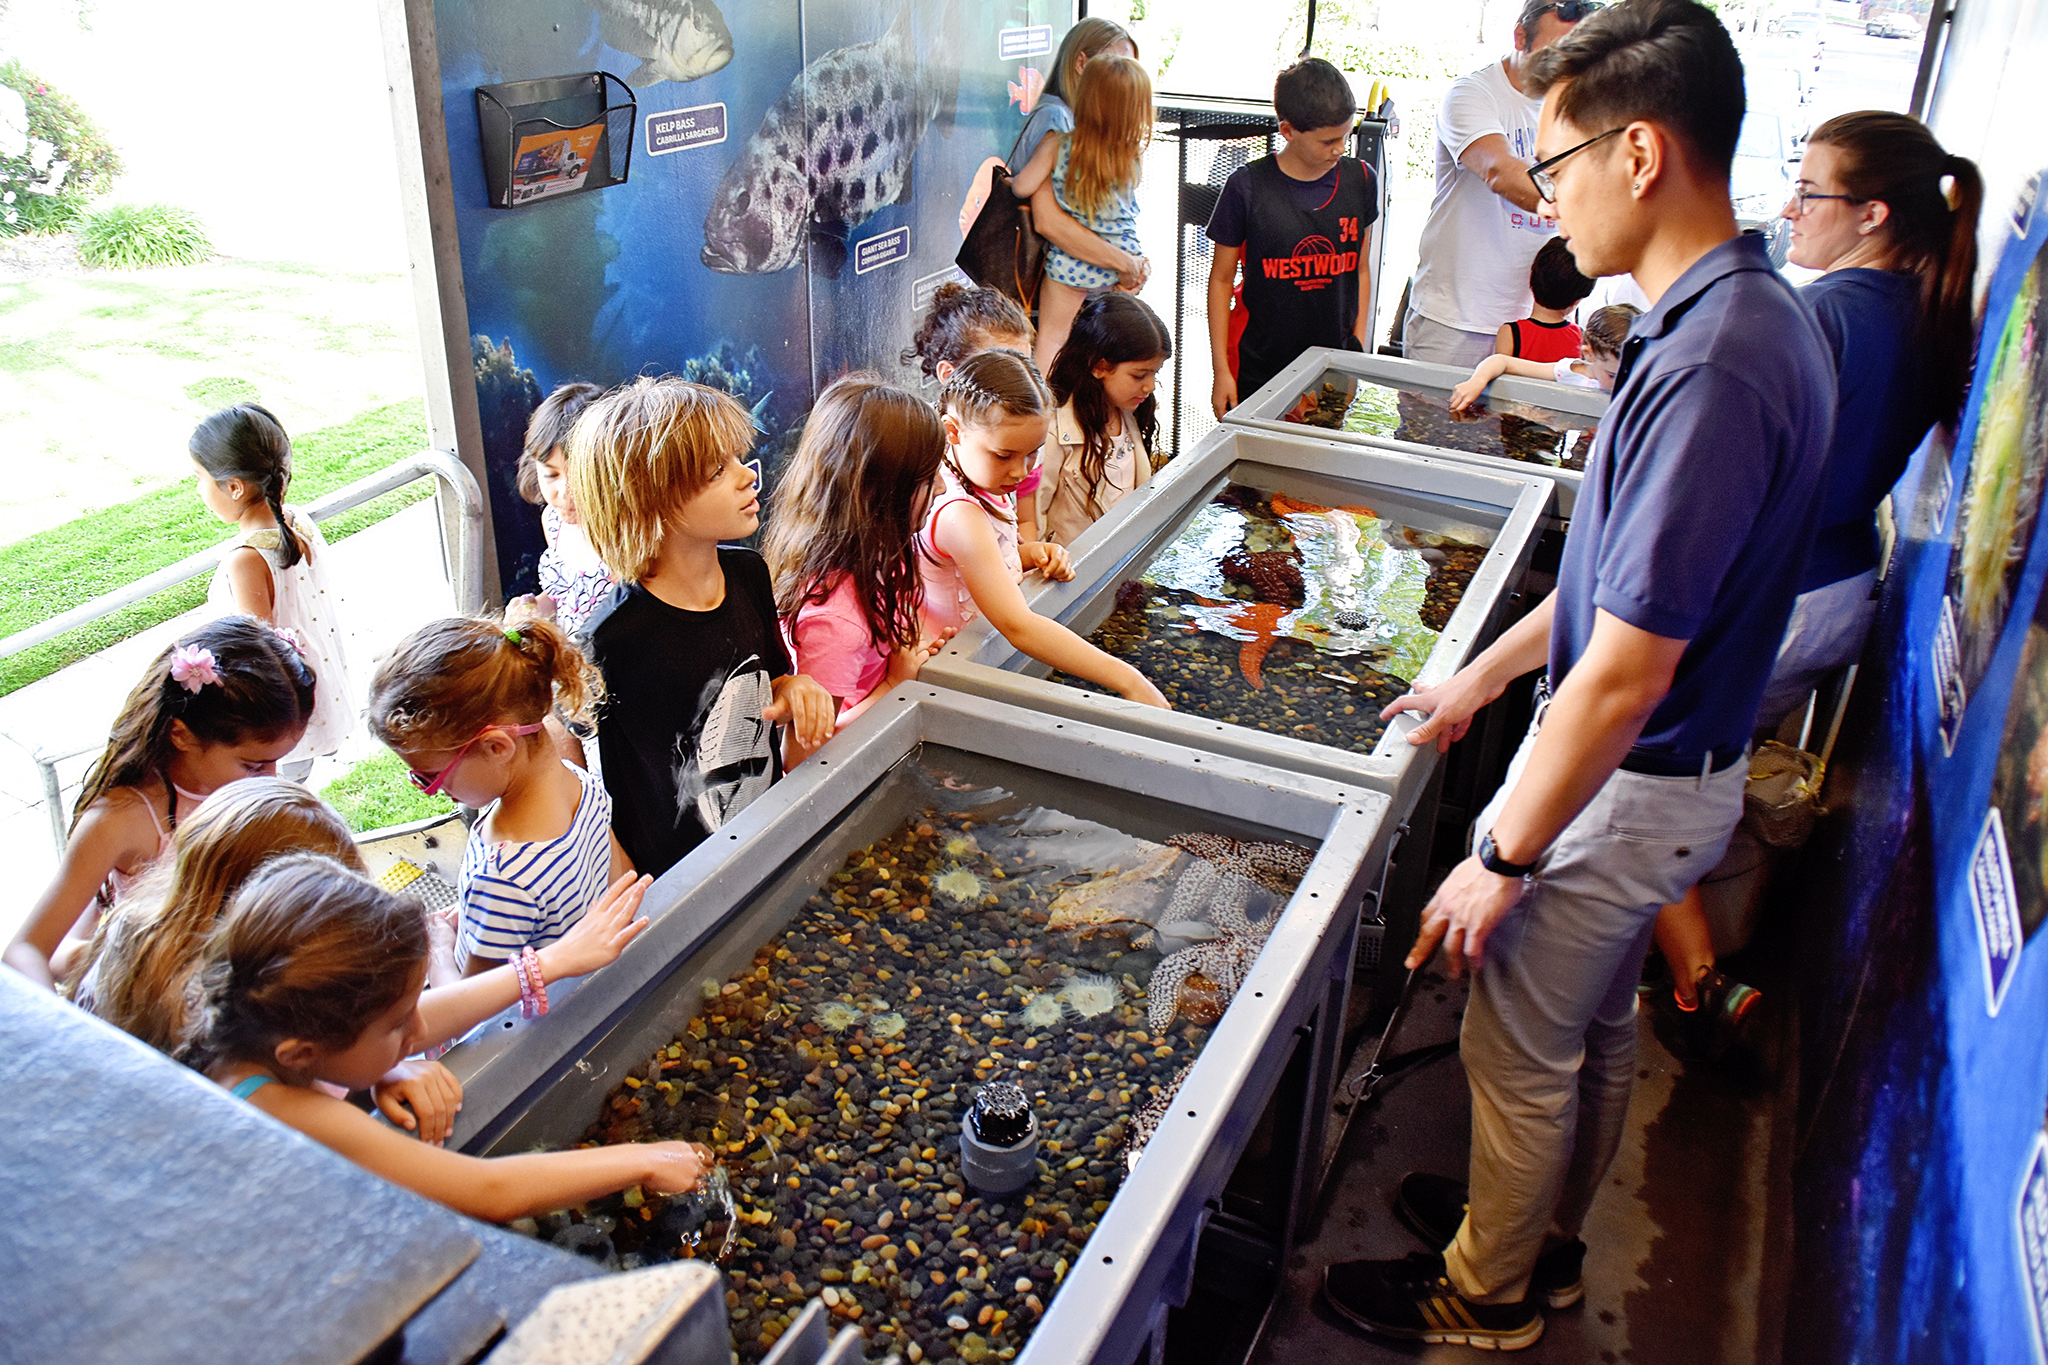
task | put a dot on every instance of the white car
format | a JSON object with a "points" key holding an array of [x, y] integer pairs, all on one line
{"points": [[1892, 25]]}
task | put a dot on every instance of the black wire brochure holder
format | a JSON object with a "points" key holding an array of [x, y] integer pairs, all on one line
{"points": [[554, 136]]}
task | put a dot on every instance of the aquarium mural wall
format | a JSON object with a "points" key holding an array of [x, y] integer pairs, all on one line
{"points": [[798, 177], [1922, 1168]]}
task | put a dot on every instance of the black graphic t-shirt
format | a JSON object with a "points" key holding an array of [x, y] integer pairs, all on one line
{"points": [[680, 731], [1301, 241]]}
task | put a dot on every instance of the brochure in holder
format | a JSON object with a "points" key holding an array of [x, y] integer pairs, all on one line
{"points": [[554, 136]]}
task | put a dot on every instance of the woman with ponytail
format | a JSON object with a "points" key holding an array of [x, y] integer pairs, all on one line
{"points": [[462, 702], [1890, 219], [276, 568]]}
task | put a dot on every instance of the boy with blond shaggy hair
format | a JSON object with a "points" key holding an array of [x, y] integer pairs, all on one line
{"points": [[695, 673]]}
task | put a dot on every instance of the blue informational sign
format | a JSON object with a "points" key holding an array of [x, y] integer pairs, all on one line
{"points": [[1014, 43], [680, 129], [885, 248], [2030, 1228]]}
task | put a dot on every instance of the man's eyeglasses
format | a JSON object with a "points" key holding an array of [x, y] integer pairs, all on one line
{"points": [[1803, 199], [1571, 11], [431, 782], [1539, 174]]}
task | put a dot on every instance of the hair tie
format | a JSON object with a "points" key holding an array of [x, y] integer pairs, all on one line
{"points": [[512, 634], [192, 667], [290, 637]]}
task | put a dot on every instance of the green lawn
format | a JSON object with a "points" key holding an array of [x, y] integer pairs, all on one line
{"points": [[376, 794], [54, 570]]}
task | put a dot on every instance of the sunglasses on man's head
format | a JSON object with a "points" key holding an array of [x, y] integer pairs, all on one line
{"points": [[1571, 11]]}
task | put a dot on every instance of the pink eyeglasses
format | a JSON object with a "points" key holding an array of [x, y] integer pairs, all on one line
{"points": [[431, 782]]}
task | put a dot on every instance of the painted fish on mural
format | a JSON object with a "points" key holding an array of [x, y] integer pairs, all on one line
{"points": [[676, 40], [835, 148], [1025, 95]]}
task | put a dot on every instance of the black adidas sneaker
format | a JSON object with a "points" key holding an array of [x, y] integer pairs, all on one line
{"points": [[1413, 1299], [1434, 1205]]}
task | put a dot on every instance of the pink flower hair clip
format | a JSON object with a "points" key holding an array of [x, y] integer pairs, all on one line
{"points": [[192, 667], [290, 637]]}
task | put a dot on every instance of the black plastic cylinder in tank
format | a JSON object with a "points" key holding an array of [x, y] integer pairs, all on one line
{"points": [[999, 1140]]}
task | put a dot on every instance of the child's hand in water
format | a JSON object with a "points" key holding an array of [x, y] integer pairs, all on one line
{"points": [[421, 1097], [805, 707], [1139, 688], [676, 1167], [1467, 393], [1050, 559], [602, 934]]}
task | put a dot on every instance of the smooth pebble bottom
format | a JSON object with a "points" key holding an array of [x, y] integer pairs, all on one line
{"points": [[843, 1148]]}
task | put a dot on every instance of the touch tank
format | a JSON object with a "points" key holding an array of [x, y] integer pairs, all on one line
{"points": [[955, 906], [1280, 589], [1530, 425]]}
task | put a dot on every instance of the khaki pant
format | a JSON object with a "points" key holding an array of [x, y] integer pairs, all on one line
{"points": [[1549, 1041]]}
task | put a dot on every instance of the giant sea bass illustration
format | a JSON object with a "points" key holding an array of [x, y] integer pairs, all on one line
{"points": [[836, 147], [676, 40]]}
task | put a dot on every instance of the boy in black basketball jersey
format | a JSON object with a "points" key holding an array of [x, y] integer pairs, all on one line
{"points": [[1298, 220]]}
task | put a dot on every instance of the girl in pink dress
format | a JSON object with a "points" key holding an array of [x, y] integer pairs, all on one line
{"points": [[996, 411], [841, 542]]}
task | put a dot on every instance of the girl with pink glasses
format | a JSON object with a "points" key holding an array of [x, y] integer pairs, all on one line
{"points": [[464, 703]]}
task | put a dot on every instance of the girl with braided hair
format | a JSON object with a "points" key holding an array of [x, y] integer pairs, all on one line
{"points": [[226, 702], [462, 703], [276, 569], [996, 411]]}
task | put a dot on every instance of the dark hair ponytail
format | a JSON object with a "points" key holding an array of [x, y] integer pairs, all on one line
{"points": [[261, 688], [960, 322], [247, 442], [1893, 159], [1113, 328]]}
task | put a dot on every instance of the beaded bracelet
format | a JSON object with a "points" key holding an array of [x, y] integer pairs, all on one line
{"points": [[537, 1003]]}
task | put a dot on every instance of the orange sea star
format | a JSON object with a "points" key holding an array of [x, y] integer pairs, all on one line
{"points": [[1260, 618], [1286, 507]]}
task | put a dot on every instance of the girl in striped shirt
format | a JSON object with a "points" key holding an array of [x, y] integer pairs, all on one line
{"points": [[462, 702]]}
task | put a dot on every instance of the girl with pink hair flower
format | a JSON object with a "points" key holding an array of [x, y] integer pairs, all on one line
{"points": [[226, 702]]}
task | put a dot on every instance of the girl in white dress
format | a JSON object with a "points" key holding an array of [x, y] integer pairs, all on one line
{"points": [[277, 568]]}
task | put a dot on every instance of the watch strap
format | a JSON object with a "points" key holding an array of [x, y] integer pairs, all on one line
{"points": [[1490, 859]]}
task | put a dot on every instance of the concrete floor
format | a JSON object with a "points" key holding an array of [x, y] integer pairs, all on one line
{"points": [[1686, 1243]]}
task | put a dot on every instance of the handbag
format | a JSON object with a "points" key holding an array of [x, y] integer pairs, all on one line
{"points": [[1781, 800], [1003, 250]]}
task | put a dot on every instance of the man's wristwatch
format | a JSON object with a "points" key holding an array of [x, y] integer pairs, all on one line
{"points": [[1490, 859]]}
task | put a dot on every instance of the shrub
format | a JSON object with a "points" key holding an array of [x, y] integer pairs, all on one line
{"points": [[138, 236], [80, 161]]}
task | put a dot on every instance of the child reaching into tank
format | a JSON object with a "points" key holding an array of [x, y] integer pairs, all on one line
{"points": [[842, 542], [139, 971], [276, 570], [1593, 368], [462, 702], [227, 701], [1099, 450], [315, 974], [996, 410], [966, 320]]}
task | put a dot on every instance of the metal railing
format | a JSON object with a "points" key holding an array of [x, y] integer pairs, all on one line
{"points": [[461, 505]]}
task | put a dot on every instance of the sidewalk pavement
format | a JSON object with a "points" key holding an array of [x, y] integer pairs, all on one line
{"points": [[391, 580]]}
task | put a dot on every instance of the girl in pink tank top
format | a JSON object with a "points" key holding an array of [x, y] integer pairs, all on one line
{"points": [[996, 410], [227, 702], [841, 543]]}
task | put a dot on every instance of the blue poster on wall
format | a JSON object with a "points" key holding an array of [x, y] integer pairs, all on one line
{"points": [[798, 178]]}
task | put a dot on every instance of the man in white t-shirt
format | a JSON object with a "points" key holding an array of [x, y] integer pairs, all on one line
{"points": [[1472, 274]]}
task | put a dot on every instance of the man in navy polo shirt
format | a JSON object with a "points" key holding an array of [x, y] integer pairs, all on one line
{"points": [[1679, 572]]}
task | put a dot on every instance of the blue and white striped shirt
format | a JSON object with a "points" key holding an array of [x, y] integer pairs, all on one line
{"points": [[516, 894]]}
